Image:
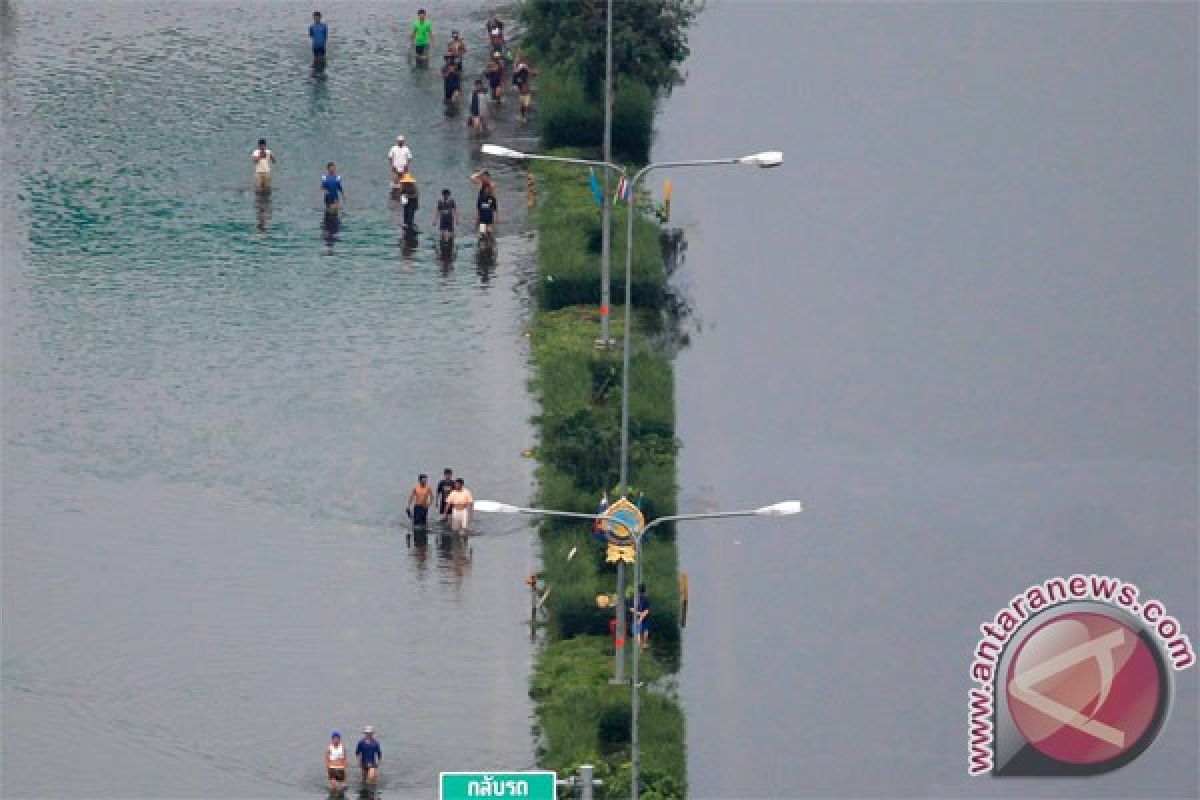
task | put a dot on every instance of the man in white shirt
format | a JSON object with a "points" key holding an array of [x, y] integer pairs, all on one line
{"points": [[263, 159], [399, 157], [460, 504]]}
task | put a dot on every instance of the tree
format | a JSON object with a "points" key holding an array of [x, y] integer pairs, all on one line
{"points": [[649, 38]]}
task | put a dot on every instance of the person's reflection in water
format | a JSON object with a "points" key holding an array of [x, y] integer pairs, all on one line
{"points": [[408, 242], [454, 554], [319, 97], [485, 260], [420, 551], [446, 253], [331, 225], [262, 209]]}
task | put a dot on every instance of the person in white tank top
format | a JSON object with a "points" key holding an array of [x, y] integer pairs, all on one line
{"points": [[335, 762]]}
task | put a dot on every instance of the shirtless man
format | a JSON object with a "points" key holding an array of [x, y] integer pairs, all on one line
{"points": [[457, 48], [495, 32], [418, 501], [461, 503]]}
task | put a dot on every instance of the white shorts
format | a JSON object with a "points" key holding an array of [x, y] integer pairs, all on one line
{"points": [[458, 519]]}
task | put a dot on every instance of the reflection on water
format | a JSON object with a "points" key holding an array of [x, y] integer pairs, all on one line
{"points": [[204, 423], [262, 209], [485, 258], [409, 240], [454, 555], [331, 226], [447, 252]]}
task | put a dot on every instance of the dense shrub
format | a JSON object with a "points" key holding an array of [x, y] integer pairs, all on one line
{"points": [[649, 39], [633, 122], [580, 717], [568, 254], [566, 117]]}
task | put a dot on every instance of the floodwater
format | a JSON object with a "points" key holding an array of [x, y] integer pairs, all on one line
{"points": [[213, 410], [960, 324]]}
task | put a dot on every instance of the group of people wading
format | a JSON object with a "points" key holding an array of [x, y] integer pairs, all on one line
{"points": [[453, 499], [368, 753], [484, 95]]}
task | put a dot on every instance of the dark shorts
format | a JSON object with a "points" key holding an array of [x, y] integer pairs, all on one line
{"points": [[336, 773], [422, 49], [446, 225], [420, 515], [318, 52], [494, 79]]}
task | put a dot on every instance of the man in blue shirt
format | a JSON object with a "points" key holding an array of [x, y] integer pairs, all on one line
{"points": [[318, 32], [369, 754], [331, 184]]}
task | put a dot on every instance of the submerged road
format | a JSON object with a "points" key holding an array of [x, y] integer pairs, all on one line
{"points": [[213, 416], [960, 324]]}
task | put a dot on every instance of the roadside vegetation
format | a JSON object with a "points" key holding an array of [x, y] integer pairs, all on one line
{"points": [[580, 716]]}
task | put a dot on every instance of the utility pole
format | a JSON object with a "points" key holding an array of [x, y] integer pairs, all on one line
{"points": [[604, 342], [584, 781]]}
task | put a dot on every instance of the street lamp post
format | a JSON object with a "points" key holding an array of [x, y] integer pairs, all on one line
{"points": [[765, 159], [771, 158], [606, 204], [785, 508]]}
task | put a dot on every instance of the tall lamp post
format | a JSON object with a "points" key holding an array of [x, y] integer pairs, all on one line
{"points": [[786, 508], [606, 233], [769, 158]]}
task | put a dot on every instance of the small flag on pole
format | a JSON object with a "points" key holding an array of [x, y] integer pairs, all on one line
{"points": [[622, 190], [597, 192], [598, 527]]}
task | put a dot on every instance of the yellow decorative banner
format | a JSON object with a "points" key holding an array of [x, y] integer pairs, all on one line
{"points": [[617, 552]]}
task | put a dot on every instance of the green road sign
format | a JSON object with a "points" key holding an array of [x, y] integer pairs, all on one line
{"points": [[537, 785]]}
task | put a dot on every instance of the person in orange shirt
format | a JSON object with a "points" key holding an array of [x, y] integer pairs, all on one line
{"points": [[460, 503]]}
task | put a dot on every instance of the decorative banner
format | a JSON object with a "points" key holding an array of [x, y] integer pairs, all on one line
{"points": [[594, 183], [621, 521], [616, 552]]}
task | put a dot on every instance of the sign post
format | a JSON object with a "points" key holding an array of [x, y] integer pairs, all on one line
{"points": [[533, 785]]}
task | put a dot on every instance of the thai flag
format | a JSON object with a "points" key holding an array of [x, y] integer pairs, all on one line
{"points": [[623, 192], [599, 526]]}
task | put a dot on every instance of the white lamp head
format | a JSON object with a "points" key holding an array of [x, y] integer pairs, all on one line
{"points": [[495, 508], [767, 158], [501, 152], [784, 509]]}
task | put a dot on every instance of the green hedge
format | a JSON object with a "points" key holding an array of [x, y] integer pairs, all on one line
{"points": [[582, 719], [568, 117], [568, 222]]}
